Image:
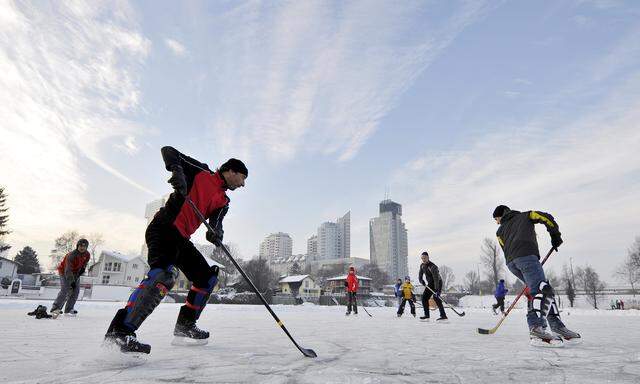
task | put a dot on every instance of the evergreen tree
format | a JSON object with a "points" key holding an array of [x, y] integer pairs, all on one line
{"points": [[28, 261], [295, 269], [4, 217]]}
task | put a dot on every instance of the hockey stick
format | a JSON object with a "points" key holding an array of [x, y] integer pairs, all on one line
{"points": [[448, 305], [493, 330], [306, 352], [365, 309]]}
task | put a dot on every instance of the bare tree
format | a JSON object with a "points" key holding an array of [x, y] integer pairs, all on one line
{"points": [[552, 277], [378, 277], [64, 244], [591, 283], [472, 282], [629, 270], [447, 276], [4, 217], [95, 240], [491, 260], [295, 269], [260, 274], [569, 284]]}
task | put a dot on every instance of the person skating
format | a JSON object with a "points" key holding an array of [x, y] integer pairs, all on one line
{"points": [[407, 296], [430, 271], [70, 269], [398, 291], [351, 286], [517, 237], [499, 294], [167, 237]]}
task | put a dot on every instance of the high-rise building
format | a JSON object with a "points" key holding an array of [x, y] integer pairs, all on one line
{"points": [[388, 240], [150, 211], [276, 246], [334, 239], [312, 248]]}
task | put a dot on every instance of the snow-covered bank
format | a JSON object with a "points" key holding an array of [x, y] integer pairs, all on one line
{"points": [[247, 347]]}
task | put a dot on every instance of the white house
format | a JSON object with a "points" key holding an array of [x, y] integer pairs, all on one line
{"points": [[115, 268], [8, 268], [299, 286]]}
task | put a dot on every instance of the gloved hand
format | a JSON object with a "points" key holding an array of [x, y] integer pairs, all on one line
{"points": [[437, 294], [556, 240], [178, 181], [346, 284], [216, 236], [73, 285]]}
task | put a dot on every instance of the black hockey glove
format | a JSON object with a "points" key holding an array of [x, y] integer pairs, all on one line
{"points": [[73, 285], [178, 180], [556, 241], [215, 236]]}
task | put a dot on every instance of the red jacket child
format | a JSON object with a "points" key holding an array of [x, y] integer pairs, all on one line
{"points": [[352, 281]]}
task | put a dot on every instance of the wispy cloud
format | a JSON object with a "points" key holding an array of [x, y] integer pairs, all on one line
{"points": [[309, 78], [584, 170], [176, 47], [67, 78]]}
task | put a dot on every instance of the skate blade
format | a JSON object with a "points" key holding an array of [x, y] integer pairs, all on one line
{"points": [[553, 343], [112, 354], [442, 321], [70, 315], [188, 342], [425, 320], [574, 341]]}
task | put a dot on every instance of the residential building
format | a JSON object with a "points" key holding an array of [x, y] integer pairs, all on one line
{"points": [[282, 265], [115, 268], [388, 240], [276, 246], [335, 285], [302, 286], [8, 268], [357, 262], [334, 239], [312, 248]]}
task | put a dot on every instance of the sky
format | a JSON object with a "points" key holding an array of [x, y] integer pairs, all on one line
{"points": [[450, 108]]}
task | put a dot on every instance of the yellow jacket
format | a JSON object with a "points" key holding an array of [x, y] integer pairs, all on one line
{"points": [[407, 290]]}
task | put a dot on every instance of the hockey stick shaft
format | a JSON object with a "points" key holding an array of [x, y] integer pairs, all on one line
{"points": [[513, 304], [448, 305], [306, 352]]}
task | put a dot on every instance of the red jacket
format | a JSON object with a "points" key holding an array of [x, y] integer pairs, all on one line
{"points": [[73, 262], [352, 282]]}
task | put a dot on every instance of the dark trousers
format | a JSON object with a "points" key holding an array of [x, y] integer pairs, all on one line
{"points": [[67, 294], [426, 295], [411, 304], [499, 303], [352, 303]]}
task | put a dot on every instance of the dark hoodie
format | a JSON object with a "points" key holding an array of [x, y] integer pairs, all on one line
{"points": [[517, 235]]}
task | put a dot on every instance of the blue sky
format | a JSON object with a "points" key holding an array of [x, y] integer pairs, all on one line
{"points": [[454, 107]]}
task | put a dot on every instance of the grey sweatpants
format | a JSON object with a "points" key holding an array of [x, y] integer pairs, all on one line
{"points": [[66, 294]]}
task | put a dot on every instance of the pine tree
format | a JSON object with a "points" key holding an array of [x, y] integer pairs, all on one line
{"points": [[28, 261], [3, 220], [295, 269]]}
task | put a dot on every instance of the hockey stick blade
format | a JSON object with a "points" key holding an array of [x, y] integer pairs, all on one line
{"points": [[483, 331], [461, 314], [308, 352]]}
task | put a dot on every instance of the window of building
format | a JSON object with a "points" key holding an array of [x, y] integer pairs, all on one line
{"points": [[134, 266], [0, 264], [105, 279], [181, 284], [128, 278], [306, 283], [107, 267], [117, 267]]}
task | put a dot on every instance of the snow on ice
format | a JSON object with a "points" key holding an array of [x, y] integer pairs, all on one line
{"points": [[248, 347]]}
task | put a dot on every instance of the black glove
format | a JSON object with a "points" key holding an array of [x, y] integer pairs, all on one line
{"points": [[178, 180], [73, 285], [556, 240], [438, 293], [215, 236]]}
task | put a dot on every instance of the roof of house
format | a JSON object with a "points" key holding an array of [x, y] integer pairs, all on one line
{"points": [[345, 278], [293, 279], [9, 260], [121, 256]]}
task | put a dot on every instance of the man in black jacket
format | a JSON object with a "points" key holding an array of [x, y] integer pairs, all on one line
{"points": [[430, 271], [167, 238], [517, 237]]}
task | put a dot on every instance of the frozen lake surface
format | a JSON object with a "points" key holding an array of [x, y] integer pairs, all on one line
{"points": [[248, 347]]}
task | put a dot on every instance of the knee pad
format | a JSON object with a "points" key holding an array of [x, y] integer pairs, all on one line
{"points": [[198, 296], [148, 295], [544, 302]]}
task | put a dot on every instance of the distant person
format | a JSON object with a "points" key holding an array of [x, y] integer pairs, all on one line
{"points": [[398, 291], [499, 294], [621, 304], [617, 304], [430, 271], [407, 296], [612, 303], [351, 285], [517, 237], [70, 269]]}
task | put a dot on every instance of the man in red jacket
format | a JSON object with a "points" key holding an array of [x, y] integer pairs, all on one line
{"points": [[70, 269], [351, 285], [170, 249]]}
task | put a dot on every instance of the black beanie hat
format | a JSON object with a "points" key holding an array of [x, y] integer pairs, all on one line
{"points": [[500, 211], [234, 165], [82, 241]]}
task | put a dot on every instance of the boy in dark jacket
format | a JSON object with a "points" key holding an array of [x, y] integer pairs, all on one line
{"points": [[517, 237], [499, 294], [70, 269], [430, 271]]}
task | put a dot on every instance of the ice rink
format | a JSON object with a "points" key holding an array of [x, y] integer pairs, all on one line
{"points": [[248, 347]]}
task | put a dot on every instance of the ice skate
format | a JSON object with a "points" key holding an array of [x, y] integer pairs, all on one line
{"points": [[425, 319], [55, 313], [568, 336], [126, 342], [540, 337], [71, 313], [186, 333]]}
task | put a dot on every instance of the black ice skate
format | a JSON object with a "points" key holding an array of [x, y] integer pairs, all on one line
{"points": [[540, 337], [187, 333], [127, 342], [567, 335], [442, 320]]}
